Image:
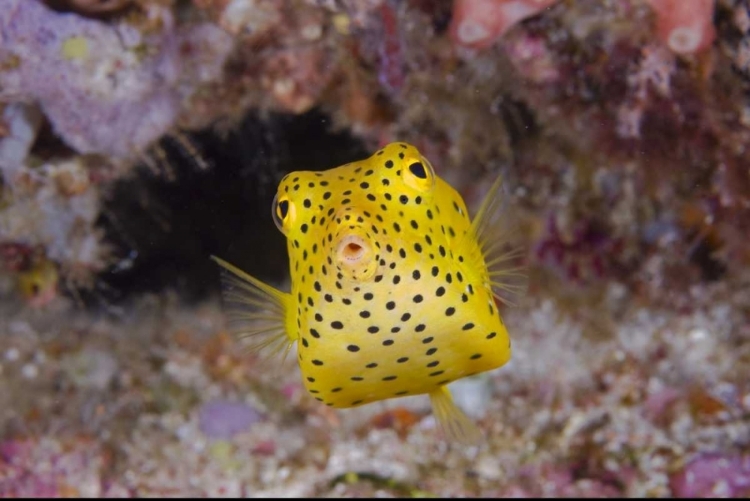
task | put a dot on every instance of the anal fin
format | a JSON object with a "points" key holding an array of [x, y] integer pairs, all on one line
{"points": [[455, 424]]}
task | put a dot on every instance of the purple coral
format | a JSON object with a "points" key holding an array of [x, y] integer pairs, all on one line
{"points": [[713, 475], [106, 89], [221, 419]]}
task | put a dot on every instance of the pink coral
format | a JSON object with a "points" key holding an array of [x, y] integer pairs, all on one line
{"points": [[685, 26], [479, 23]]}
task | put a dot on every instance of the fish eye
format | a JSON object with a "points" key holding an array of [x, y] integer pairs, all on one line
{"points": [[419, 175], [283, 208], [418, 170], [282, 212]]}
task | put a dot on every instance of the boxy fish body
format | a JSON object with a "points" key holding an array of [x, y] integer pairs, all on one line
{"points": [[392, 284]]}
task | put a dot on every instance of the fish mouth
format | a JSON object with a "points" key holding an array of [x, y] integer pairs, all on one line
{"points": [[354, 254], [353, 249]]}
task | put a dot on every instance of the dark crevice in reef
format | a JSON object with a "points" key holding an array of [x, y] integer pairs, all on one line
{"points": [[170, 227]]}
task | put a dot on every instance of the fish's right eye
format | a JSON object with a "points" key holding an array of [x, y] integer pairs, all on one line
{"points": [[419, 174], [282, 212], [418, 170]]}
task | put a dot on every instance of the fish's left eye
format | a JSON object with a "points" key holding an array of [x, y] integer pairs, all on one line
{"points": [[282, 212], [283, 208]]}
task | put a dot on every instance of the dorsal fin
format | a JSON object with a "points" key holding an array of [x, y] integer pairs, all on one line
{"points": [[255, 310], [495, 230]]}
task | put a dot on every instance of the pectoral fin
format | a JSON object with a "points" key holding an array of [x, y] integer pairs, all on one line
{"points": [[256, 311]]}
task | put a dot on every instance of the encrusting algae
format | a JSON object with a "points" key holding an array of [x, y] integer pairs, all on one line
{"points": [[393, 286]]}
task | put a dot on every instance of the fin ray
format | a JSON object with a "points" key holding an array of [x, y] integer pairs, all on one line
{"points": [[255, 310], [494, 230], [455, 424]]}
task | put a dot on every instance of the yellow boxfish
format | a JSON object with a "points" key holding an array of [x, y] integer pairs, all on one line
{"points": [[393, 286]]}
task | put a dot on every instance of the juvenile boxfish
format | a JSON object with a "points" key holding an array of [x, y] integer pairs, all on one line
{"points": [[393, 285]]}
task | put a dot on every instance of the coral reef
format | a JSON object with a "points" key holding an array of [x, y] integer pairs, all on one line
{"points": [[138, 137], [607, 90]]}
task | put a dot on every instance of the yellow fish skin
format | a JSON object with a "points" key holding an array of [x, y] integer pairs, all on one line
{"points": [[391, 293]]}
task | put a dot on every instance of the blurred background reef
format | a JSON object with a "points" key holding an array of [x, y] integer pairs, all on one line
{"points": [[138, 137]]}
